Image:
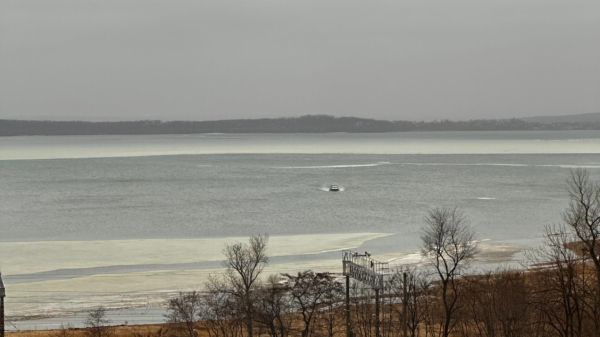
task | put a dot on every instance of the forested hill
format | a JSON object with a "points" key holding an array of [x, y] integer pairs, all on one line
{"points": [[578, 119], [304, 124]]}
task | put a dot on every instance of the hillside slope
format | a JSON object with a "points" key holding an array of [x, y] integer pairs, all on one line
{"points": [[568, 119]]}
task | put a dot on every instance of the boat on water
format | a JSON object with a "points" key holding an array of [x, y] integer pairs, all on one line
{"points": [[334, 188]]}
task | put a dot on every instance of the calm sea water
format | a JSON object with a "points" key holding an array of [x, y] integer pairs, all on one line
{"points": [[97, 189]]}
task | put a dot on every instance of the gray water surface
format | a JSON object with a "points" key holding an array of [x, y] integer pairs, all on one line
{"points": [[89, 188]]}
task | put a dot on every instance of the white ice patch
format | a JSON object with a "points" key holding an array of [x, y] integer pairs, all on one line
{"points": [[35, 257], [45, 296]]}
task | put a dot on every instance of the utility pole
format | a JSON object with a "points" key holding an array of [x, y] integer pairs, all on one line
{"points": [[2, 294], [377, 315], [348, 323]]}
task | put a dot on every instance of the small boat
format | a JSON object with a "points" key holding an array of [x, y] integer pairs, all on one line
{"points": [[334, 188]]}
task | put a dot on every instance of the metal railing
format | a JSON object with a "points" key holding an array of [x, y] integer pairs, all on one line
{"points": [[361, 267]]}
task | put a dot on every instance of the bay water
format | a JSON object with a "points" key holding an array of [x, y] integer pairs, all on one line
{"points": [[126, 221]]}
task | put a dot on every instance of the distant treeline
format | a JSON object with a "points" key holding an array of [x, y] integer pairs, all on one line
{"points": [[303, 124]]}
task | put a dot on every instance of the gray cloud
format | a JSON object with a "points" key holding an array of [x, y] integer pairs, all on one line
{"points": [[208, 59]]}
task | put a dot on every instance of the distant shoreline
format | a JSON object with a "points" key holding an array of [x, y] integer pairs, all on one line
{"points": [[314, 124]]}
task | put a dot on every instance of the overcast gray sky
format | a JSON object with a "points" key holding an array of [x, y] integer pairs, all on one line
{"points": [[213, 59]]}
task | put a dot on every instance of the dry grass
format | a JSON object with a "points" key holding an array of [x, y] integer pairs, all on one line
{"points": [[118, 331], [534, 279]]}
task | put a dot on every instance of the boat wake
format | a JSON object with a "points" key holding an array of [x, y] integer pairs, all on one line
{"points": [[566, 166], [327, 188], [466, 164], [335, 166], [569, 166]]}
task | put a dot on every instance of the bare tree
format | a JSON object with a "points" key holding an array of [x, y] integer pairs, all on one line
{"points": [[363, 310], [448, 243], [184, 311], [97, 323], [408, 286], [563, 276], [310, 292], [273, 307], [245, 263], [583, 216], [223, 313], [331, 311], [568, 302]]}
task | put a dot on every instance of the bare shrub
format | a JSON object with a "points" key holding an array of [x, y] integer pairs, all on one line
{"points": [[497, 304], [184, 311], [97, 323]]}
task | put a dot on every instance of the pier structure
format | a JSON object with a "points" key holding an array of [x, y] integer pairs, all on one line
{"points": [[363, 268]]}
